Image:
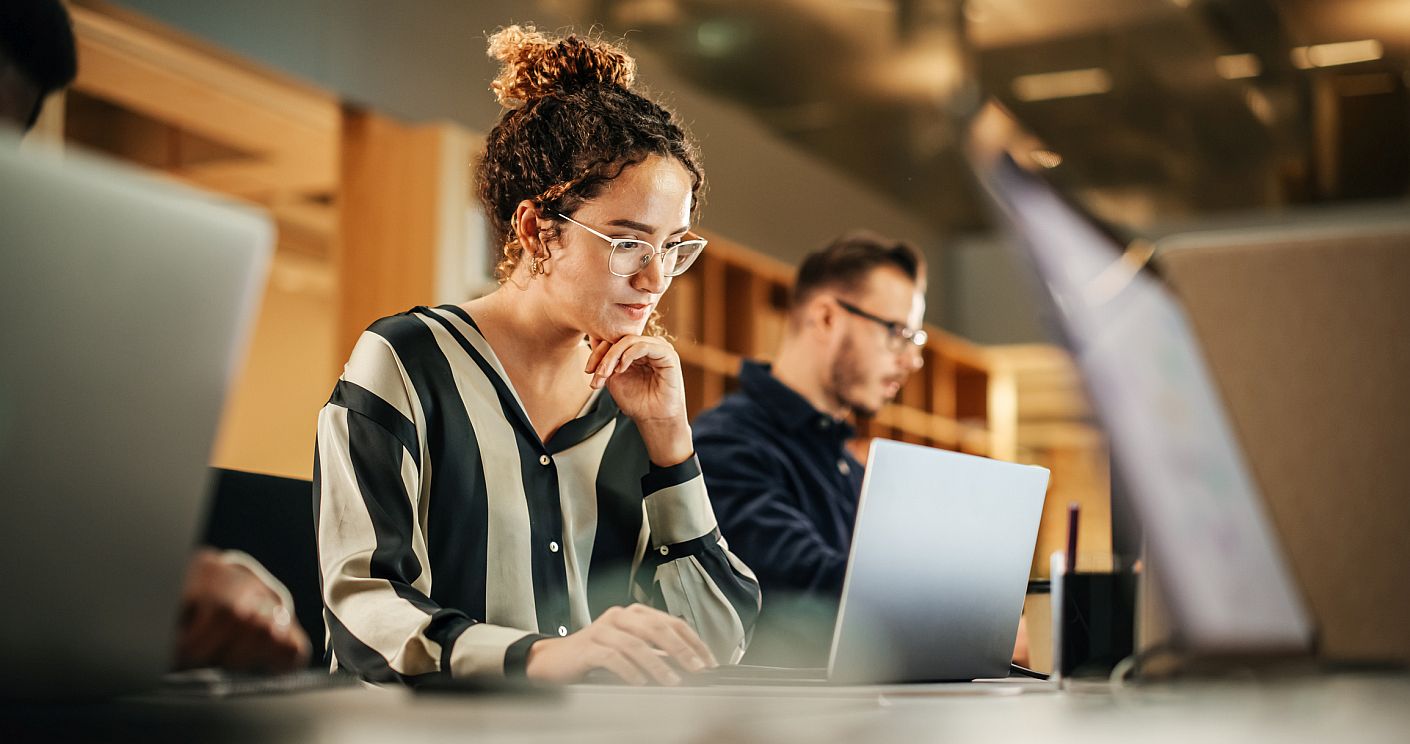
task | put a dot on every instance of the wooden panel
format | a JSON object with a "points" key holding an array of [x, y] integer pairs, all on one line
{"points": [[714, 300], [693, 375], [971, 393], [176, 80], [398, 184], [743, 299], [272, 410], [1080, 475], [680, 308]]}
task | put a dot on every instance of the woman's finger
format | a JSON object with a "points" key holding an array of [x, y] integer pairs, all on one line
{"points": [[617, 663], [686, 633], [671, 634], [609, 362], [640, 652], [599, 349], [632, 355], [662, 634]]}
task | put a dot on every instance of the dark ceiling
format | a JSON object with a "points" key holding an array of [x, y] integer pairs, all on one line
{"points": [[1159, 110]]}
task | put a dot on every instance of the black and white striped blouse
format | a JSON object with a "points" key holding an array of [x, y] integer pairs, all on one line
{"points": [[450, 537]]}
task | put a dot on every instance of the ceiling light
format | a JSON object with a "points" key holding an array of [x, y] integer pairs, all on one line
{"points": [[1261, 107], [1067, 84], [1237, 66], [1341, 53]]}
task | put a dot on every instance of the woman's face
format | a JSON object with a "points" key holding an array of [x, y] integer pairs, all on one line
{"points": [[649, 201]]}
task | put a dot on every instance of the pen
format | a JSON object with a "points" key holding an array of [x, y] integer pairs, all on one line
{"points": [[1073, 513]]}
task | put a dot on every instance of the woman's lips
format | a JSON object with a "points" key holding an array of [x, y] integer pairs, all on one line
{"points": [[636, 312]]}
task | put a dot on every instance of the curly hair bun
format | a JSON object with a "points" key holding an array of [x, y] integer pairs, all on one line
{"points": [[536, 65]]}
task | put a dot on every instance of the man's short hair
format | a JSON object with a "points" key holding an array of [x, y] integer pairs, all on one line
{"points": [[36, 38], [845, 263]]}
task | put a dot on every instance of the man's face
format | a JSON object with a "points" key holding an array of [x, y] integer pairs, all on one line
{"points": [[871, 365], [18, 97]]}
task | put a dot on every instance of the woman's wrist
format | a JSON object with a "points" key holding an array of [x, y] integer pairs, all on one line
{"points": [[668, 441], [536, 650]]}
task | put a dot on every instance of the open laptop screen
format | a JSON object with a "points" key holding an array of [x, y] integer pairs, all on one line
{"points": [[1221, 568]]}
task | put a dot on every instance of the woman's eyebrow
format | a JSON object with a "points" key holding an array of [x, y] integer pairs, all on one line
{"points": [[642, 227]]}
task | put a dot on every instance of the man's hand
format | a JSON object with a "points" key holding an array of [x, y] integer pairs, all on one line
{"points": [[632, 642], [231, 619]]}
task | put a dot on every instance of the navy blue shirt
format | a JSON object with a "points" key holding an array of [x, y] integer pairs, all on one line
{"points": [[784, 489]]}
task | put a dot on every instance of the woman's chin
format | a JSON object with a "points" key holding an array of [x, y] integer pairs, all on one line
{"points": [[615, 331]]}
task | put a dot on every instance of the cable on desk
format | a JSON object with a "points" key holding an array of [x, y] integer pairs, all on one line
{"points": [[1132, 664]]}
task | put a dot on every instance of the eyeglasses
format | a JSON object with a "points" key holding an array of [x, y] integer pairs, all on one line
{"points": [[898, 336], [630, 255]]}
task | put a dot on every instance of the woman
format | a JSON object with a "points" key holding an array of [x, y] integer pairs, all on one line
{"points": [[496, 482]]}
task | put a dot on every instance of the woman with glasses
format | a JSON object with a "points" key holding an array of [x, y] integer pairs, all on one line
{"points": [[508, 486]]}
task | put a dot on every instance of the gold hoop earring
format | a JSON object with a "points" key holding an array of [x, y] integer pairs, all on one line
{"points": [[535, 266]]}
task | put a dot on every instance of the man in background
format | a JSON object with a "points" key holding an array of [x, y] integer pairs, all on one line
{"points": [[783, 483], [234, 614]]}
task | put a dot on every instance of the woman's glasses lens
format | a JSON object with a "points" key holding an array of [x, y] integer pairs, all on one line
{"points": [[683, 255], [631, 256]]}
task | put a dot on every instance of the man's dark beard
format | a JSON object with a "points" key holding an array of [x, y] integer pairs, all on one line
{"points": [[844, 379]]}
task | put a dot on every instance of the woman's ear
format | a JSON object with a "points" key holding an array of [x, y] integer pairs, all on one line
{"points": [[526, 228]]}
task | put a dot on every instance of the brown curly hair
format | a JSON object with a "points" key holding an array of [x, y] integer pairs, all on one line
{"points": [[571, 124]]}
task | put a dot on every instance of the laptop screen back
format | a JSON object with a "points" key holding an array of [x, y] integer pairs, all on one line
{"points": [[124, 306], [1222, 571], [938, 568]]}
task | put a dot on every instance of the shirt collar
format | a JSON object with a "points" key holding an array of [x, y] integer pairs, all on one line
{"points": [[786, 405]]}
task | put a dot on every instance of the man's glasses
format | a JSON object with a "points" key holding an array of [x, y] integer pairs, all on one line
{"points": [[630, 255], [898, 336]]}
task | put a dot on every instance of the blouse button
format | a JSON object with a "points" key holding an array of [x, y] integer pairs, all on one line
{"points": [[562, 630], [553, 547], [843, 467], [543, 459]]}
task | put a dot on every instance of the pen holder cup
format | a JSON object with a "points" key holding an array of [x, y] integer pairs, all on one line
{"points": [[1094, 613]]}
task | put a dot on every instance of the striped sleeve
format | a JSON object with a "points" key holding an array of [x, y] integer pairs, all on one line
{"points": [[691, 570], [375, 575]]}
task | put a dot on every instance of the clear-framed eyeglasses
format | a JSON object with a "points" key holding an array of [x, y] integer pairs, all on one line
{"points": [[898, 337], [630, 255]]}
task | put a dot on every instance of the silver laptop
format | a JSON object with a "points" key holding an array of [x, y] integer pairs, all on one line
{"points": [[124, 307], [939, 566], [938, 570]]}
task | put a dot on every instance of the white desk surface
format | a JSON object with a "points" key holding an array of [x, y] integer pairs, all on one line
{"points": [[1362, 708]]}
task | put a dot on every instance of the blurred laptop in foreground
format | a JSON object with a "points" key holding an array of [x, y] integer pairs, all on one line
{"points": [[124, 309], [1223, 574]]}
